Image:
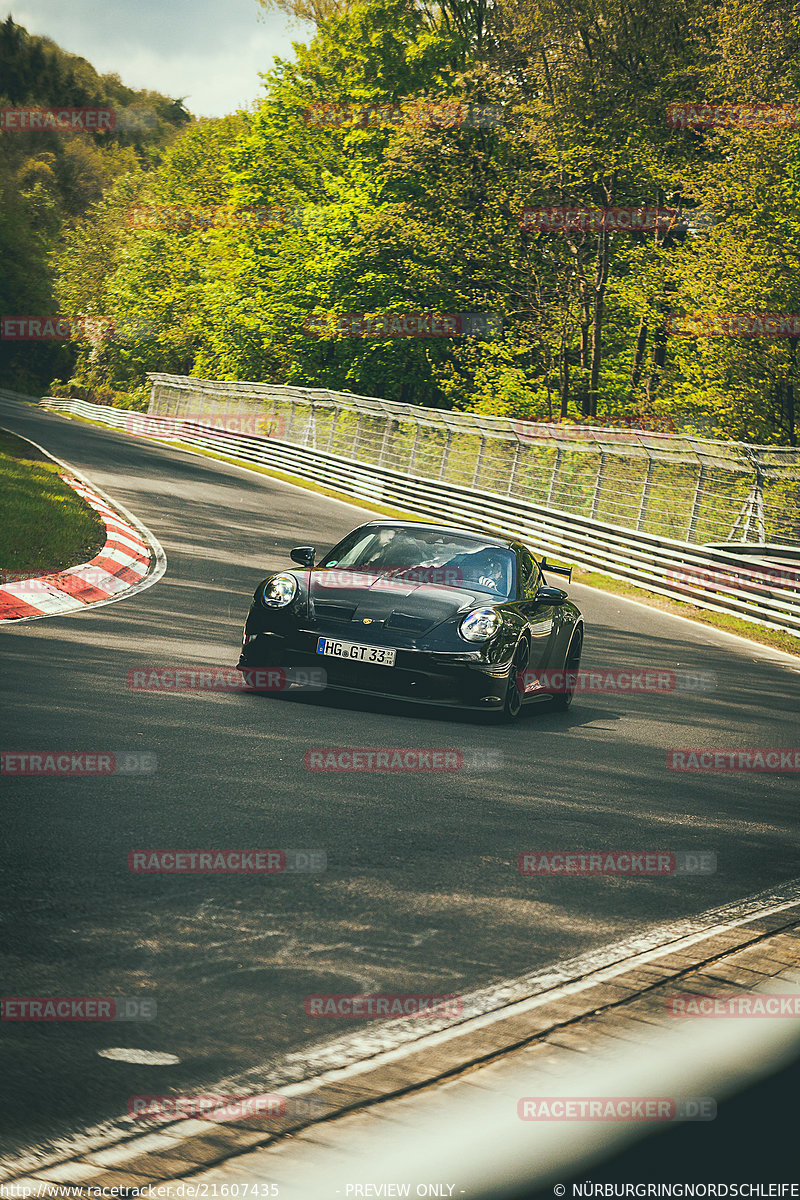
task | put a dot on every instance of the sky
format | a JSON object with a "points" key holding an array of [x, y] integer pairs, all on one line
{"points": [[208, 53]]}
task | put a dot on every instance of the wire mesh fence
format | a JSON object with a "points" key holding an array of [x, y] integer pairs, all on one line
{"points": [[689, 489], [756, 583]]}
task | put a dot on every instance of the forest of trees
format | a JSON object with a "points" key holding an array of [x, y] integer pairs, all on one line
{"points": [[417, 215], [51, 181]]}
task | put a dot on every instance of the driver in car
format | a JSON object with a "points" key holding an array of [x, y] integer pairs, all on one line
{"points": [[487, 568], [493, 573]]}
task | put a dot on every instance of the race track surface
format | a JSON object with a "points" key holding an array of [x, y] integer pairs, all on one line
{"points": [[421, 892]]}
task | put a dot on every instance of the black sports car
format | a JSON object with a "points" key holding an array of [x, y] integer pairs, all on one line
{"points": [[421, 612]]}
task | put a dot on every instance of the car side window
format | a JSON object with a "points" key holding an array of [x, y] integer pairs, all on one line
{"points": [[531, 579]]}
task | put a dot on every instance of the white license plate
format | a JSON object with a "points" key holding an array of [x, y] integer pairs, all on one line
{"points": [[352, 650]]}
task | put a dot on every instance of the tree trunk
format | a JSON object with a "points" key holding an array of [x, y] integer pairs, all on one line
{"points": [[657, 360], [563, 381], [638, 357], [602, 263], [601, 277], [586, 320]]}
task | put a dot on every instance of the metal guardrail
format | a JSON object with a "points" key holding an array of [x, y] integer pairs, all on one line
{"points": [[8, 394], [714, 579], [689, 489]]}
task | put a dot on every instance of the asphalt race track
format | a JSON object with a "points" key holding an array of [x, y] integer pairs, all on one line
{"points": [[422, 891]]}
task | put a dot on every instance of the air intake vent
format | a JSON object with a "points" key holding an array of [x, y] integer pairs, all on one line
{"points": [[331, 611], [408, 623]]}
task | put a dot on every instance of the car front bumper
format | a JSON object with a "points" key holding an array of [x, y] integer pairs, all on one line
{"points": [[426, 677]]}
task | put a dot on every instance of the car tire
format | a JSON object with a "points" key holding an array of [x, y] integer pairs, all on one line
{"points": [[512, 705], [572, 662]]}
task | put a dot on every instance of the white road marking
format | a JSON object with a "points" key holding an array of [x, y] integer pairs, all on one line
{"points": [[147, 1058]]}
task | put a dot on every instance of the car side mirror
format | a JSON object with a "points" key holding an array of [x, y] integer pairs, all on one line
{"points": [[550, 595], [304, 555]]}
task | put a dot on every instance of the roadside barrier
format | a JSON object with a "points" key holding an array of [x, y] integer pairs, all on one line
{"points": [[720, 580]]}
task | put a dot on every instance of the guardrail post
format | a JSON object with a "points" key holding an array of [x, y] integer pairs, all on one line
{"points": [[598, 484], [479, 461], [758, 507], [640, 519], [334, 419], [445, 453], [310, 434], [414, 448], [291, 419], [752, 511], [690, 534], [552, 489], [357, 435], [512, 478], [385, 440]]}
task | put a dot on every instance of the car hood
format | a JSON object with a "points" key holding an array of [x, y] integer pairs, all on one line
{"points": [[360, 598]]}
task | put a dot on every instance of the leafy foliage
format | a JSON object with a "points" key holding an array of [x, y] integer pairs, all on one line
{"points": [[408, 214], [51, 183]]}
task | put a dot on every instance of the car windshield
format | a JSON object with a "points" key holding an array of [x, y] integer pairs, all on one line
{"points": [[429, 556]]}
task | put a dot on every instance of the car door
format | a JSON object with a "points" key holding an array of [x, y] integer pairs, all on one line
{"points": [[541, 618]]}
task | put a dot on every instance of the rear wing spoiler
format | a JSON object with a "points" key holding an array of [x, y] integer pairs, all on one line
{"points": [[546, 566]]}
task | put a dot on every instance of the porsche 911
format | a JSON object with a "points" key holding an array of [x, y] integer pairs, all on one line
{"points": [[425, 613]]}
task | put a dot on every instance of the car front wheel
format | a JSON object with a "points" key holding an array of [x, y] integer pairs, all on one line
{"points": [[572, 664], [513, 702]]}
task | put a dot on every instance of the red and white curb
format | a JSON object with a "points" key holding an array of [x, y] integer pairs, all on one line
{"points": [[130, 560]]}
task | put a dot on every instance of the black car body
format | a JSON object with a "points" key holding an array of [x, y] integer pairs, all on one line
{"points": [[421, 612]]}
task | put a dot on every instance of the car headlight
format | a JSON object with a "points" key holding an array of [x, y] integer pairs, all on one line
{"points": [[480, 624], [279, 591]]}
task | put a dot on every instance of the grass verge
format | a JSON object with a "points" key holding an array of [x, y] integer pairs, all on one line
{"points": [[46, 526], [776, 638]]}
